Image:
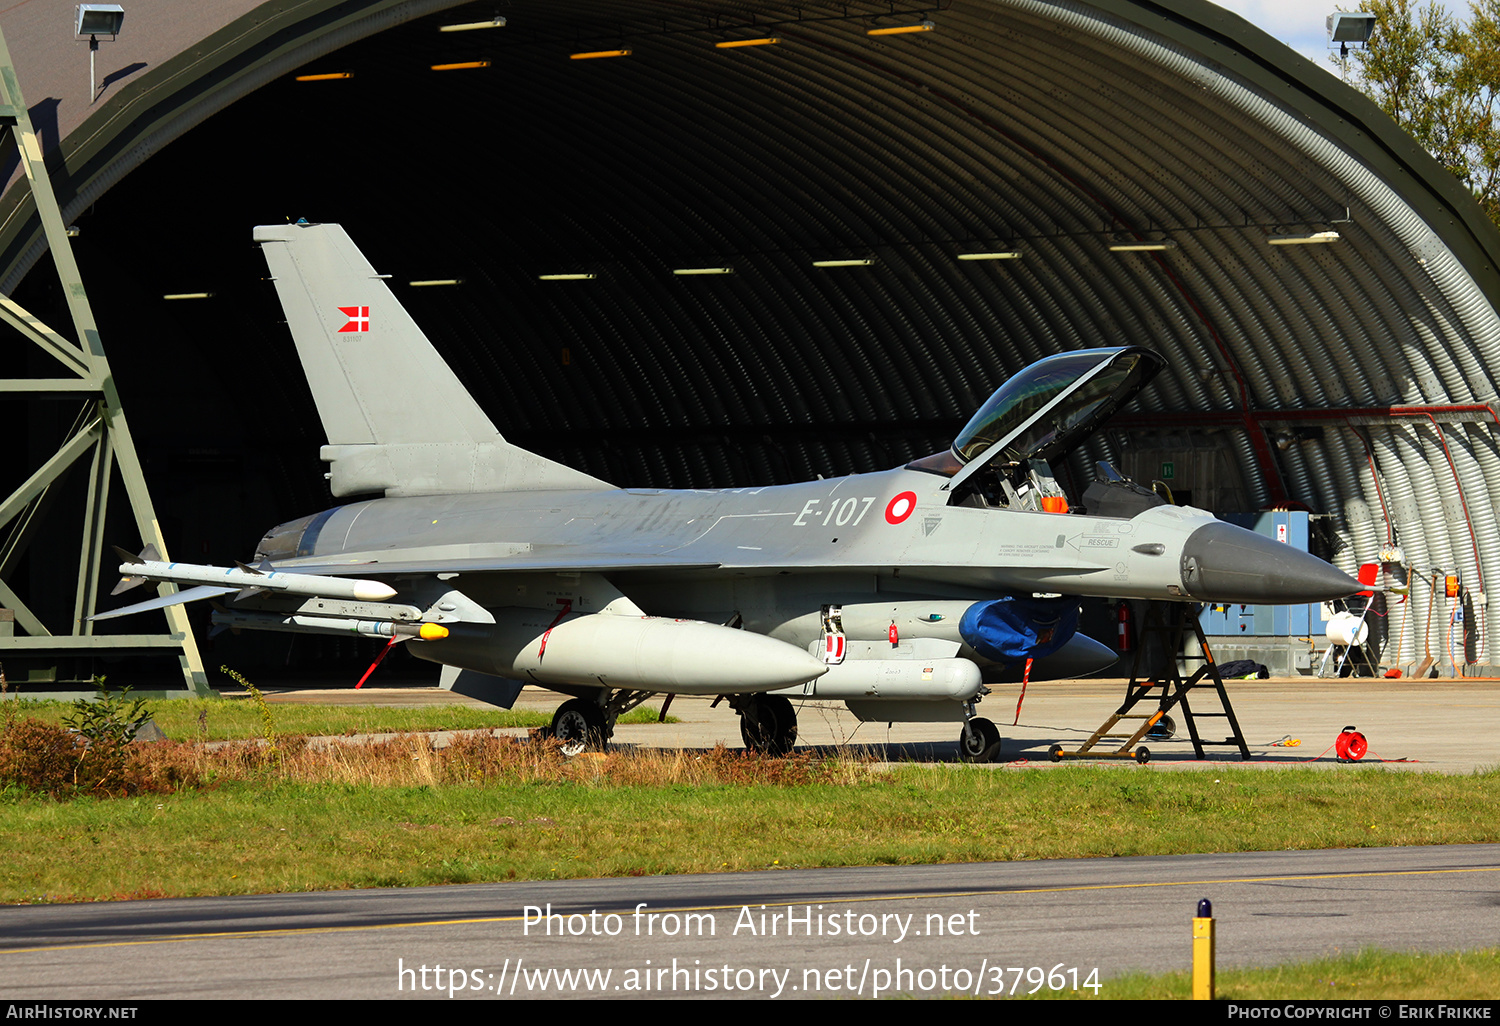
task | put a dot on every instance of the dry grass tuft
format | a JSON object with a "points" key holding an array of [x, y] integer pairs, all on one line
{"points": [[38, 757], [480, 758]]}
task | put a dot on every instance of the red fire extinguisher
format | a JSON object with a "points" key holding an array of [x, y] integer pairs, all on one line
{"points": [[1122, 618]]}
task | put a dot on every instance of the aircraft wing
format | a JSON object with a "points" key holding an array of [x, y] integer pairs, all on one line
{"points": [[571, 562], [574, 561]]}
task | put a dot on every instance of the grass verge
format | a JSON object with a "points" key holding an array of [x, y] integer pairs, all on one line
{"points": [[1370, 975], [219, 719], [490, 809]]}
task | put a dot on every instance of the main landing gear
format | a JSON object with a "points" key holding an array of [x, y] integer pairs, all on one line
{"points": [[586, 724], [768, 723], [579, 727]]}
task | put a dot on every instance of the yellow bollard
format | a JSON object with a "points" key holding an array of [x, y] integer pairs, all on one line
{"points": [[1203, 952]]}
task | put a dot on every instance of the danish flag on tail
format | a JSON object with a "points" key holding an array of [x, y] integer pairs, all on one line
{"points": [[359, 318]]}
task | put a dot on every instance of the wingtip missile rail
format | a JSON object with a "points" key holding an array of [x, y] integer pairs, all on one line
{"points": [[138, 570]]}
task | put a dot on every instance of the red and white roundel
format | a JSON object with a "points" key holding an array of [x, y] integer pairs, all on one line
{"points": [[899, 508]]}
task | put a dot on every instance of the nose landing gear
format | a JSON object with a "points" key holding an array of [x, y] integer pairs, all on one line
{"points": [[979, 741]]}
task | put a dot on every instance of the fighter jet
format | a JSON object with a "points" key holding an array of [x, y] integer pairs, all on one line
{"points": [[902, 593]]}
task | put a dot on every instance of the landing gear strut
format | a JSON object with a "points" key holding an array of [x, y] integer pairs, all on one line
{"points": [[768, 724]]}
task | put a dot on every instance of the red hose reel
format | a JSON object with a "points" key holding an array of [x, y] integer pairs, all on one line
{"points": [[1351, 745]]}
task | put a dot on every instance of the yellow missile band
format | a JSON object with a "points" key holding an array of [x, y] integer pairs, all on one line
{"points": [[432, 632]]}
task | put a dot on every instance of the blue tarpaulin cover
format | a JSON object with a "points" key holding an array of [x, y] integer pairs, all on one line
{"points": [[1014, 628]]}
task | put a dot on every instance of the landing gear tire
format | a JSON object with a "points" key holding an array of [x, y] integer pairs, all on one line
{"points": [[979, 743], [768, 725], [1165, 728], [579, 727]]}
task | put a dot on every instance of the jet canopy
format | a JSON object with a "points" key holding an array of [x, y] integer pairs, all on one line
{"points": [[1046, 410]]}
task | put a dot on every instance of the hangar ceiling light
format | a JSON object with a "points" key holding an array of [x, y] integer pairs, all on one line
{"points": [[326, 77], [901, 30], [566, 277], [1307, 239], [592, 54], [470, 26], [1144, 246], [702, 270], [729, 44], [1006, 254], [856, 262], [460, 66]]}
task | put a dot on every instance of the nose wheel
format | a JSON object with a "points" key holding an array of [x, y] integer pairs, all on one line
{"points": [[979, 741]]}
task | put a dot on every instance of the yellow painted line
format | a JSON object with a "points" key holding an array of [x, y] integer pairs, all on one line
{"points": [[662, 910]]}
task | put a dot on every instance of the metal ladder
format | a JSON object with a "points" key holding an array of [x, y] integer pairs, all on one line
{"points": [[1174, 690]]}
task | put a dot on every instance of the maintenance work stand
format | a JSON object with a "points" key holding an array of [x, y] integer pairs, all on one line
{"points": [[1170, 693]]}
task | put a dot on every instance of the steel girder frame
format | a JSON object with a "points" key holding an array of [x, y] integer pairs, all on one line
{"points": [[101, 434]]}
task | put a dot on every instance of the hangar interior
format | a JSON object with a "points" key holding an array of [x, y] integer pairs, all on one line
{"points": [[1009, 179]]}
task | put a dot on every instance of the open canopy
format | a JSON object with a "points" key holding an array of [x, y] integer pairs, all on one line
{"points": [[1048, 409]]}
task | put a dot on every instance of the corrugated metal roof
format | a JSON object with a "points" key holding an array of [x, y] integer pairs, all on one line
{"points": [[1051, 128]]}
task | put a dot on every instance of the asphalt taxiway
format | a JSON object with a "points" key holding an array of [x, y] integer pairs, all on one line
{"points": [[986, 929], [1439, 725]]}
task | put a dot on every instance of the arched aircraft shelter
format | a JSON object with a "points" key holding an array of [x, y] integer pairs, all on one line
{"points": [[1322, 291]]}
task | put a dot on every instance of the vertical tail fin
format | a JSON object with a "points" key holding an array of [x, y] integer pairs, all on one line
{"points": [[398, 419]]}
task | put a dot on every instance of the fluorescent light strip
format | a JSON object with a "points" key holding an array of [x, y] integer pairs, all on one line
{"points": [[565, 277], [188, 295], [461, 66], [1009, 254], [730, 44], [470, 26], [702, 270], [1141, 247], [901, 30], [861, 262], [329, 77], [592, 54], [435, 281], [1304, 240]]}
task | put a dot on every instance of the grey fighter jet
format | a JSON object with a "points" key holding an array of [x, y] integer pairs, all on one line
{"points": [[901, 593]]}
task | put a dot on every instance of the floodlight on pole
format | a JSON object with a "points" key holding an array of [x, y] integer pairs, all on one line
{"points": [[1345, 27], [95, 20]]}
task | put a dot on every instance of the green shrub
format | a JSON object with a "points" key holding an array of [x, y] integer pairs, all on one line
{"points": [[110, 718]]}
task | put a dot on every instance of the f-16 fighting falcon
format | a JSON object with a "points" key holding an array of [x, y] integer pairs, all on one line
{"points": [[901, 593]]}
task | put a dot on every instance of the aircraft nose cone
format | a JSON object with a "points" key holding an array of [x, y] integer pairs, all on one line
{"points": [[1224, 563]]}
